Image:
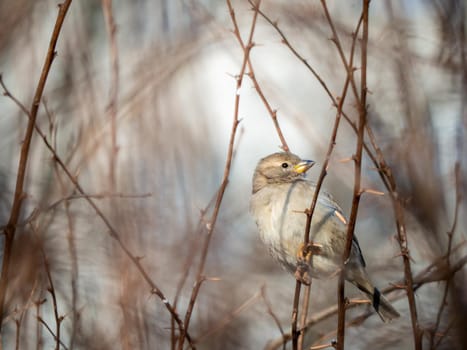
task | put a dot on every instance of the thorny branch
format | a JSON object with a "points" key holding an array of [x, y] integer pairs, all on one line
{"points": [[331, 145], [51, 290], [272, 112], [10, 229], [220, 195], [274, 316], [41, 320], [358, 169], [457, 172]]}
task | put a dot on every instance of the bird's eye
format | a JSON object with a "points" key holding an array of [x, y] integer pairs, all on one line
{"points": [[285, 165]]}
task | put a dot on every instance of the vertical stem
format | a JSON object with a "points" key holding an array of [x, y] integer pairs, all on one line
{"points": [[322, 175], [10, 228], [303, 316], [225, 180], [357, 180], [296, 301]]}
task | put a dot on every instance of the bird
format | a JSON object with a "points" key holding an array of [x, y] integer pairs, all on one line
{"points": [[280, 197]]}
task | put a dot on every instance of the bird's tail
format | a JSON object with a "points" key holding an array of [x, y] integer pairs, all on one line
{"points": [[381, 305]]}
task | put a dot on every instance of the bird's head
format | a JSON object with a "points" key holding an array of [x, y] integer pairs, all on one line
{"points": [[279, 168]]}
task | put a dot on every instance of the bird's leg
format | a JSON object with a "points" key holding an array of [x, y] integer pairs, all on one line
{"points": [[304, 254]]}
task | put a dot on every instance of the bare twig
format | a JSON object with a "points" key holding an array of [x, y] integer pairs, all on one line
{"points": [[331, 145], [389, 181], [193, 248], [272, 112], [358, 169], [41, 320], [458, 186], [51, 290], [22, 311], [10, 229], [73, 258], [220, 195], [273, 315]]}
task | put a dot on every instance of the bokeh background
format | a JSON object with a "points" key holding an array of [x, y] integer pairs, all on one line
{"points": [[176, 87]]}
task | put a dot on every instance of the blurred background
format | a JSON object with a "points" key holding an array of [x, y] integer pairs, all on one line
{"points": [[164, 84]]}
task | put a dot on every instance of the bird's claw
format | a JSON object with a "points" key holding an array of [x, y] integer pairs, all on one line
{"points": [[304, 254], [306, 250]]}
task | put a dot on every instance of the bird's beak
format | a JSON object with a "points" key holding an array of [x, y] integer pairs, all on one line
{"points": [[303, 166]]}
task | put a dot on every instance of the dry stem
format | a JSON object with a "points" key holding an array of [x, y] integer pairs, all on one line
{"points": [[10, 229], [220, 194]]}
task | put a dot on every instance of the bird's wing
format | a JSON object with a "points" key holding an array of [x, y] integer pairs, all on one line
{"points": [[327, 200], [358, 250]]}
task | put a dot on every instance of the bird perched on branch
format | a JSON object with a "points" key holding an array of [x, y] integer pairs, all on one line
{"points": [[281, 196]]}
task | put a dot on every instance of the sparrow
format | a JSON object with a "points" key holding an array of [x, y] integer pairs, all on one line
{"points": [[280, 197]]}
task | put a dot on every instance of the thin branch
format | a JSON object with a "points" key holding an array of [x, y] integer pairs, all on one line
{"points": [[389, 181], [305, 62], [10, 229], [70, 238], [193, 248], [332, 143], [51, 290], [272, 112], [220, 195], [22, 312], [398, 208], [41, 320], [273, 315], [358, 169], [458, 186]]}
